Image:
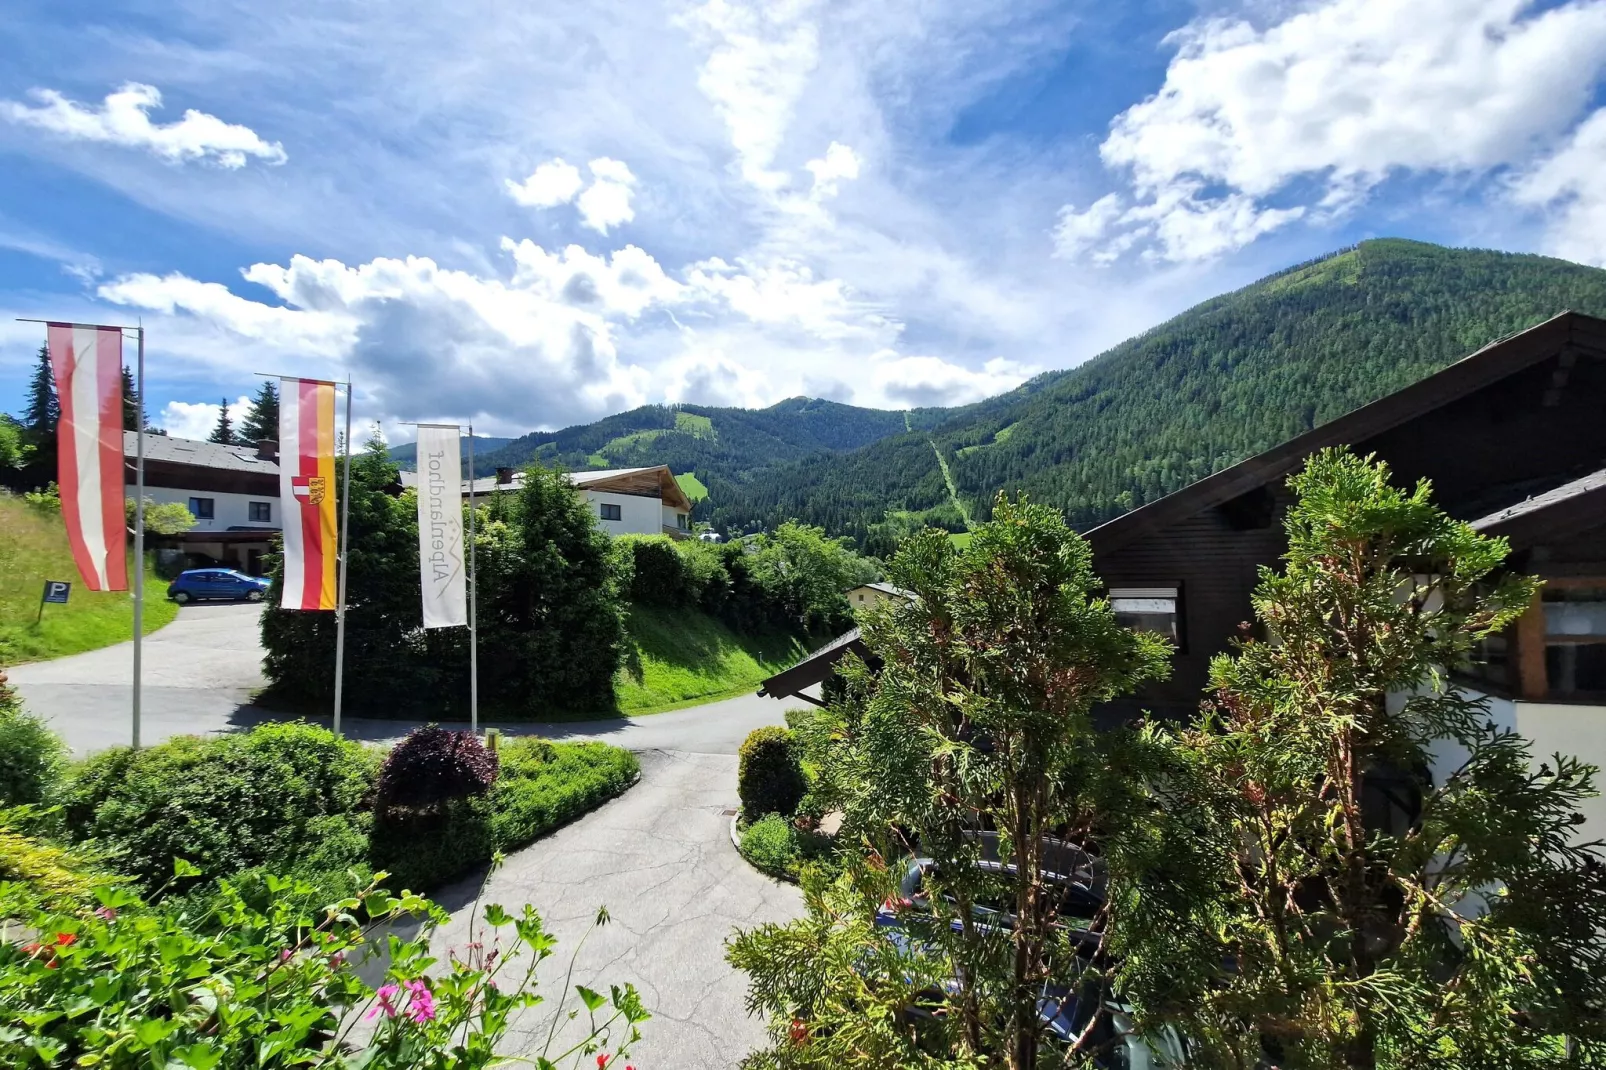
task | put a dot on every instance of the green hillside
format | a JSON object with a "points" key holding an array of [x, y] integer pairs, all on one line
{"points": [[1221, 382], [709, 443], [406, 455]]}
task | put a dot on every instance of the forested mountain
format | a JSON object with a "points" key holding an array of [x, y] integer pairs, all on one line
{"points": [[712, 443], [1221, 382], [406, 455]]}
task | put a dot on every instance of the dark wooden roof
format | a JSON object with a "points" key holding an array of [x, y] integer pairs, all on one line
{"points": [[1569, 331], [1558, 513], [814, 668]]}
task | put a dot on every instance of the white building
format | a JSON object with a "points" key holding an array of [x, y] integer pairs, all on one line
{"points": [[623, 501], [232, 491]]}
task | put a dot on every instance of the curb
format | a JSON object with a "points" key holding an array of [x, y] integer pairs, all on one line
{"points": [[736, 842]]}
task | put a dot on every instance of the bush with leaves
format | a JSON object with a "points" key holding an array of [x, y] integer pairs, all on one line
{"points": [[31, 755], [769, 776], [1373, 914], [979, 722], [161, 518], [285, 796], [432, 766], [130, 984]]}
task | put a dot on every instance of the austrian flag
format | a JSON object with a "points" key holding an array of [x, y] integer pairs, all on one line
{"points": [[88, 366], [306, 484]]}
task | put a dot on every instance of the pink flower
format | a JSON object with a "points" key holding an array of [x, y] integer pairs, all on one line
{"points": [[386, 993], [421, 1007], [284, 955], [105, 913]]}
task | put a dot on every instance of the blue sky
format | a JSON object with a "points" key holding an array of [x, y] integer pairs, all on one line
{"points": [[531, 218]]}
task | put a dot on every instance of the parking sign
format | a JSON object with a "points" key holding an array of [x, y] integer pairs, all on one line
{"points": [[57, 591]]}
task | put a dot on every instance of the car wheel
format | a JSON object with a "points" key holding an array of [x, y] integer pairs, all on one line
{"points": [[253, 596], [181, 597]]}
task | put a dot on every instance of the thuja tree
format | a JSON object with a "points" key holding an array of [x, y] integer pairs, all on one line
{"points": [[974, 737], [1333, 903]]}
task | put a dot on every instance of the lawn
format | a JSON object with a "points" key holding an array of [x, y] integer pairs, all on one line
{"points": [[692, 487], [679, 657], [33, 549]]}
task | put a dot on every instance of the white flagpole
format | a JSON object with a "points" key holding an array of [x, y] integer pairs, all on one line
{"points": [[473, 600], [139, 524], [345, 548]]}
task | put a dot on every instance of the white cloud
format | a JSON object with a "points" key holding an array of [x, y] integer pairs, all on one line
{"points": [[1254, 127], [838, 163], [784, 292], [709, 377], [198, 419], [627, 283], [925, 380], [602, 205], [123, 119], [606, 202], [759, 60], [549, 185], [1571, 184]]}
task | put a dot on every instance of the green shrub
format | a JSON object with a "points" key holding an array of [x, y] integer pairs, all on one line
{"points": [[769, 779], [542, 786], [660, 575], [30, 754], [47, 869], [770, 843], [286, 796]]}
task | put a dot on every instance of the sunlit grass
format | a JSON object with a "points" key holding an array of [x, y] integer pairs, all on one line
{"points": [[682, 656]]}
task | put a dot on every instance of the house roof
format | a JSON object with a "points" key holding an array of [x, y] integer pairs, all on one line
{"points": [[1554, 515], [814, 668], [200, 454], [886, 588], [1496, 361], [656, 480]]}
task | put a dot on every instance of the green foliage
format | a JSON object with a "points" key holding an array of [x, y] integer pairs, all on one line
{"points": [[131, 984], [261, 420], [770, 843], [978, 720], [278, 796], [1455, 926], [769, 778], [1221, 382], [682, 655], [804, 573], [223, 433], [15, 450], [541, 787], [659, 577], [39, 418], [30, 754], [161, 518], [33, 549], [47, 870]]}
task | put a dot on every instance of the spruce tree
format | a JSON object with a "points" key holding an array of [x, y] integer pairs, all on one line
{"points": [[262, 418], [1325, 901], [133, 418], [223, 433], [39, 420]]}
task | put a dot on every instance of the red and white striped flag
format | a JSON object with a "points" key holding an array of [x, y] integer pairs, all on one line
{"points": [[88, 365], [307, 492]]}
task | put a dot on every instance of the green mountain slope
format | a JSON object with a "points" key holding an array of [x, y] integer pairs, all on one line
{"points": [[406, 455], [711, 443], [1221, 382]]}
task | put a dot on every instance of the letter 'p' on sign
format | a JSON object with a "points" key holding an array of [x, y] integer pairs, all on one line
{"points": [[56, 591]]}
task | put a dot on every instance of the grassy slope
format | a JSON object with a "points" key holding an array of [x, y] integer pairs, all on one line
{"points": [[33, 548], [684, 657], [692, 486]]}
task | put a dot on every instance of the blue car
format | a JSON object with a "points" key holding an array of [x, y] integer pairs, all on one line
{"points": [[216, 584]]}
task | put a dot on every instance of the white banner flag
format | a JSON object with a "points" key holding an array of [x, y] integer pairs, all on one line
{"points": [[440, 526]]}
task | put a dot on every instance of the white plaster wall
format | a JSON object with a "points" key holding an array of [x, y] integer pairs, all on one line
{"points": [[670, 521], [637, 515], [228, 510], [1550, 728]]}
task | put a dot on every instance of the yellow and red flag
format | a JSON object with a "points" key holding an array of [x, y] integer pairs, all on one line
{"points": [[307, 492]]}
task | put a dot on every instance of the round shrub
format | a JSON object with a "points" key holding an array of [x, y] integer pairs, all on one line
{"points": [[771, 845], [30, 754], [768, 776], [433, 766], [660, 574]]}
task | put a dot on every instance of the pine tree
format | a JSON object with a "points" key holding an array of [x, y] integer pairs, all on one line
{"points": [[223, 433], [262, 418], [1326, 902], [133, 418], [44, 409]]}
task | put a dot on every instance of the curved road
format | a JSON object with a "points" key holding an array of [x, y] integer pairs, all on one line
{"points": [[659, 857]]}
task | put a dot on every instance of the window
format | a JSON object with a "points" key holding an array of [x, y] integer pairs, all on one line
{"points": [[610, 511], [201, 508], [680, 521], [1148, 609], [1575, 638], [260, 512]]}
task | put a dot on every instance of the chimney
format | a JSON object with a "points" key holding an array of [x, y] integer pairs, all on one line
{"points": [[504, 476], [268, 449]]}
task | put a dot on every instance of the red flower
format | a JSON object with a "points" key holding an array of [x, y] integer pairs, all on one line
{"points": [[63, 939], [799, 1032], [602, 1061]]}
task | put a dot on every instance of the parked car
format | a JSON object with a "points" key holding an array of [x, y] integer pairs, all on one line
{"points": [[217, 584]]}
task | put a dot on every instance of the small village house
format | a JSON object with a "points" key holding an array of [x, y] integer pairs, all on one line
{"points": [[623, 501], [232, 491], [868, 594]]}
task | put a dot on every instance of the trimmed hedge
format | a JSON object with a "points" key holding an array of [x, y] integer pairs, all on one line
{"points": [[770, 844], [542, 787], [769, 778], [291, 797], [31, 756]]}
